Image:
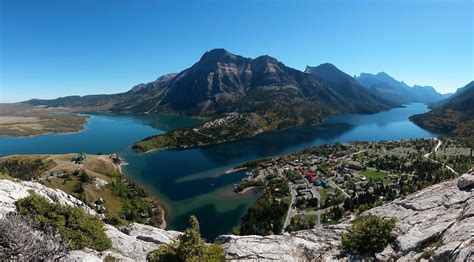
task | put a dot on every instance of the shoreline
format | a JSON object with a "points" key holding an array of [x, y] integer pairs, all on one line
{"points": [[250, 188], [163, 224], [232, 170]]}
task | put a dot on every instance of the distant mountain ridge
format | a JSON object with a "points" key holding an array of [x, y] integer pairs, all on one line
{"points": [[454, 114], [221, 82], [389, 88], [244, 96]]}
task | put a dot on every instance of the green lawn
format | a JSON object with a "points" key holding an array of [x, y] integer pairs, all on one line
{"points": [[323, 192], [372, 174]]}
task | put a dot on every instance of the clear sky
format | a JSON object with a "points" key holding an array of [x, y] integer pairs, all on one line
{"points": [[52, 48]]}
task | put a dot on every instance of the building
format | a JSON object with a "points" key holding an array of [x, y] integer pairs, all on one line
{"points": [[80, 159]]}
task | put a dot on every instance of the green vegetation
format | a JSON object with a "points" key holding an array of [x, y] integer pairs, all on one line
{"points": [[373, 174], [24, 169], [248, 183], [137, 206], [267, 215], [301, 222], [189, 247], [227, 128], [368, 234], [73, 224]]}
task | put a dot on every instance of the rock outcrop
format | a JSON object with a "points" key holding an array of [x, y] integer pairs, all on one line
{"points": [[436, 222], [11, 191], [301, 245], [131, 243]]}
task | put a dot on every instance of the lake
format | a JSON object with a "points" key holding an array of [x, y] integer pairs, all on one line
{"points": [[193, 181]]}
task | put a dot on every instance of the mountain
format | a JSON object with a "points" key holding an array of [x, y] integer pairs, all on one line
{"points": [[389, 88], [458, 92], [221, 82], [346, 86], [263, 92], [454, 115]]}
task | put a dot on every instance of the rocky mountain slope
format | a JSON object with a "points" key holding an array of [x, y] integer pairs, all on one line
{"points": [[455, 115], [222, 82], [434, 223], [391, 89]]}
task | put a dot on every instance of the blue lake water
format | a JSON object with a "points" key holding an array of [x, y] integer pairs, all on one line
{"points": [[193, 181]]}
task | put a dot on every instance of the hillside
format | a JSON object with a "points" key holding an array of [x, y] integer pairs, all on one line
{"points": [[391, 89], [455, 115], [346, 86]]}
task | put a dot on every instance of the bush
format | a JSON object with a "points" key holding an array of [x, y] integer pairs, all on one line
{"points": [[21, 239], [73, 224], [189, 247], [369, 234]]}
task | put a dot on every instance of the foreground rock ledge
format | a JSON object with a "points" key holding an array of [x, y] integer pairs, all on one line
{"points": [[437, 221]]}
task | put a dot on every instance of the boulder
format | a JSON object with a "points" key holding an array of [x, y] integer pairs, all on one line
{"points": [[151, 234], [466, 180]]}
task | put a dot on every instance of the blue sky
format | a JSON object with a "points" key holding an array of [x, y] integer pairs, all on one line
{"points": [[55, 48]]}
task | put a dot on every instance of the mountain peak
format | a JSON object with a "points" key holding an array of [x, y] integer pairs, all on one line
{"points": [[218, 54], [265, 59]]}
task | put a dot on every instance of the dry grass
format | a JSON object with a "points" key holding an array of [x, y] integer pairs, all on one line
{"points": [[25, 120]]}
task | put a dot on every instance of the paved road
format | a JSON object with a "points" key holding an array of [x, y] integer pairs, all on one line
{"points": [[291, 211]]}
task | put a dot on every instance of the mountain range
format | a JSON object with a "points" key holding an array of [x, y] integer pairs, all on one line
{"points": [[222, 82], [396, 91], [243, 97], [452, 115]]}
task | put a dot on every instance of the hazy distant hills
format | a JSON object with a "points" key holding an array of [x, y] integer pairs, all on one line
{"points": [[454, 114], [387, 87]]}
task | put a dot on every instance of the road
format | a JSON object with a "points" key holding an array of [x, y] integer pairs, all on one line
{"points": [[436, 148], [291, 211]]}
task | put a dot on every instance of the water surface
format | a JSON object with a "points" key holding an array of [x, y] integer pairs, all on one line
{"points": [[193, 181]]}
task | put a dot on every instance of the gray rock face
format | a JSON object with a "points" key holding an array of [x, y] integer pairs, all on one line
{"points": [[131, 243], [466, 180], [437, 222], [151, 234], [302, 245], [11, 191]]}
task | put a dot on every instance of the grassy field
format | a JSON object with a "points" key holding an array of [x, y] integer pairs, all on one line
{"points": [[323, 193], [373, 174]]}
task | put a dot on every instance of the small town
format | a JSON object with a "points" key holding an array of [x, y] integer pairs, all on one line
{"points": [[326, 182]]}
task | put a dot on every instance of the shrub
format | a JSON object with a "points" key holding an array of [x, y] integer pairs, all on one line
{"points": [[189, 247], [73, 224], [368, 234], [21, 239]]}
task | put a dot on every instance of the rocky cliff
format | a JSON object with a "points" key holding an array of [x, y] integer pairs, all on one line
{"points": [[435, 223]]}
